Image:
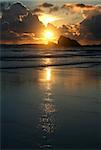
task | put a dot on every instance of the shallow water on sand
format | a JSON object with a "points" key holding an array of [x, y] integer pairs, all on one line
{"points": [[51, 107]]}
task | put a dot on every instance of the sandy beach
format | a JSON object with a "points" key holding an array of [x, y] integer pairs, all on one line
{"points": [[52, 107]]}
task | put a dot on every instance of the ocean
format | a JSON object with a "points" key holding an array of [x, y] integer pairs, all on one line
{"points": [[50, 98]]}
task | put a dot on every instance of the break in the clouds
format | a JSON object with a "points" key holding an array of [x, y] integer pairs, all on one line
{"points": [[78, 21]]}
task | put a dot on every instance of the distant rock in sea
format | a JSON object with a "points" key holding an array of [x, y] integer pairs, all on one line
{"points": [[67, 42]]}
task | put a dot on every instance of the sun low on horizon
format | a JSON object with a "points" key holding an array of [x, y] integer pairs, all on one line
{"points": [[48, 36]]}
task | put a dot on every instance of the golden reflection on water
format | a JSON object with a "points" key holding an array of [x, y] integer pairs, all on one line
{"points": [[48, 71], [47, 109], [47, 61], [48, 74]]}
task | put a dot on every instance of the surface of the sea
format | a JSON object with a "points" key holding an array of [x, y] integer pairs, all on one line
{"points": [[24, 57], [50, 98]]}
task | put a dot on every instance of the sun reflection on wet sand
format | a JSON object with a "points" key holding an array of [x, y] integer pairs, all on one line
{"points": [[48, 74], [54, 104], [47, 108], [48, 71]]}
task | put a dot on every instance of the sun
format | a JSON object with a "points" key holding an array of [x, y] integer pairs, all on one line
{"points": [[48, 35]]}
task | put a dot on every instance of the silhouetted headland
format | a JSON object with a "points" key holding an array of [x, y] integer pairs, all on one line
{"points": [[67, 42]]}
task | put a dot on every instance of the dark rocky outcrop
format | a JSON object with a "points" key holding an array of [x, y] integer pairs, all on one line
{"points": [[67, 42]]}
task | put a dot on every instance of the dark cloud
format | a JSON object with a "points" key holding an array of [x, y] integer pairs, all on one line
{"points": [[90, 29], [55, 8], [70, 31], [30, 24], [46, 5], [14, 12], [18, 20], [13, 37], [4, 26], [9, 35], [38, 10], [84, 6], [4, 5], [64, 30], [80, 5]]}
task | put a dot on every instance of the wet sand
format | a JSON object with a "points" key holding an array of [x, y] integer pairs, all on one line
{"points": [[55, 108]]}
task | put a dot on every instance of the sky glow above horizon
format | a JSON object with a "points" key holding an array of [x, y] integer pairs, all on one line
{"points": [[27, 20]]}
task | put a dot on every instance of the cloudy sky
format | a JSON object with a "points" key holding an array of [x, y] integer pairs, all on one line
{"points": [[31, 21]]}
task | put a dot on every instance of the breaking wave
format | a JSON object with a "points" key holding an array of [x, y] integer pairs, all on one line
{"points": [[30, 58]]}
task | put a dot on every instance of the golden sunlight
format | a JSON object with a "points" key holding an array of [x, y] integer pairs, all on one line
{"points": [[48, 35], [48, 74], [46, 18]]}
